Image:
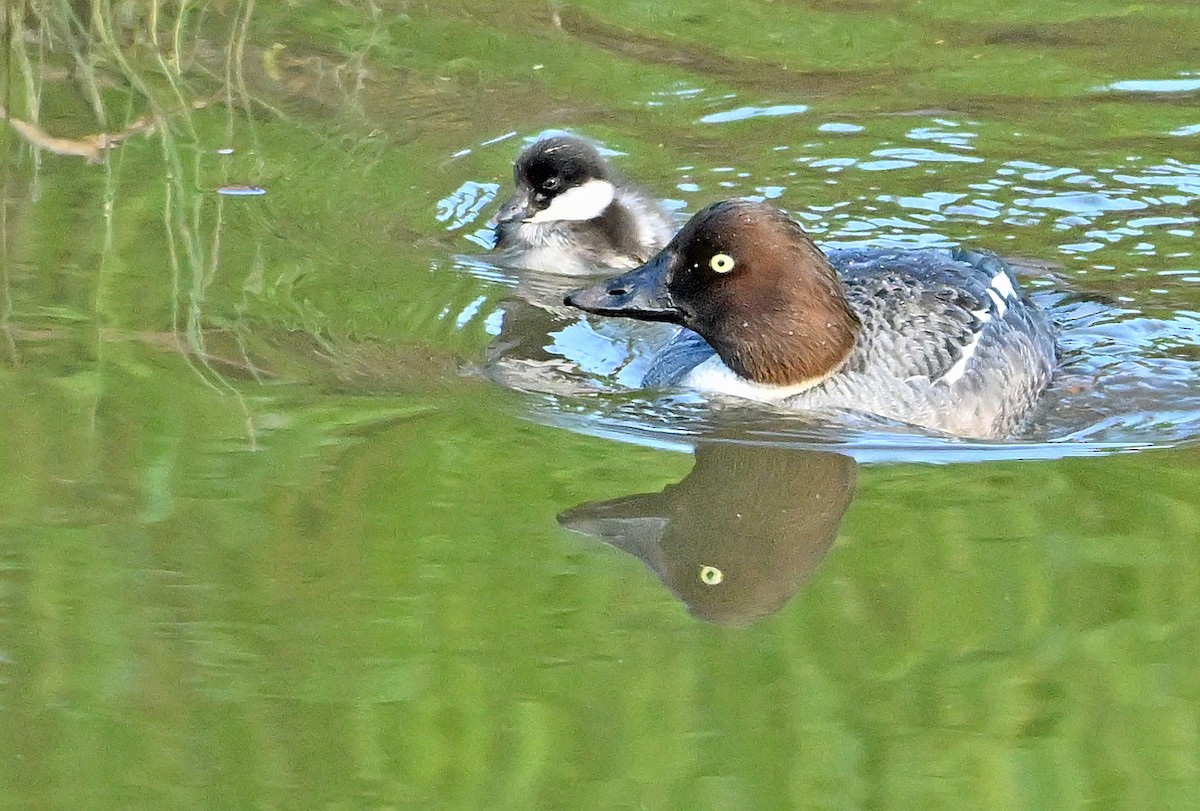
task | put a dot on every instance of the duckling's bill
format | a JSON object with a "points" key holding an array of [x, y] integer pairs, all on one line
{"points": [[518, 207]]}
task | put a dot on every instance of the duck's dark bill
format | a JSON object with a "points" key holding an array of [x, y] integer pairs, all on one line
{"points": [[640, 293]]}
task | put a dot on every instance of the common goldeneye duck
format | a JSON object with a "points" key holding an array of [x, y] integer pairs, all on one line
{"points": [[571, 212], [940, 339]]}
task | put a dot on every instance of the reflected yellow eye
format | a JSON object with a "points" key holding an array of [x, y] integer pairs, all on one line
{"points": [[721, 263], [711, 575]]}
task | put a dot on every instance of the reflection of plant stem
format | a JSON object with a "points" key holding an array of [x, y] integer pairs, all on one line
{"points": [[6, 303], [102, 304], [16, 47], [235, 53], [177, 33], [178, 224], [91, 45], [5, 177], [60, 20]]}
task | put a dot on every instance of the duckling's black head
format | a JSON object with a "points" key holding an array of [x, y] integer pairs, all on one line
{"points": [[560, 162], [559, 178]]}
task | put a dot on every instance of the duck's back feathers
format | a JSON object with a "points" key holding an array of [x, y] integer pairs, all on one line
{"points": [[951, 327]]}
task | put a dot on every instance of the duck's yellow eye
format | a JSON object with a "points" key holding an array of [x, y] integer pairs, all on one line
{"points": [[721, 263], [711, 575]]}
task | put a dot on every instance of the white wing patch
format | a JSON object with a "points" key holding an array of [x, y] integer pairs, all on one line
{"points": [[1003, 285], [579, 203], [1000, 291]]}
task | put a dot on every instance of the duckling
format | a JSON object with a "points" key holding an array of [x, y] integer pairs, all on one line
{"points": [[572, 213]]}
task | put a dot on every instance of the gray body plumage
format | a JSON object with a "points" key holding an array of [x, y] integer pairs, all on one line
{"points": [[947, 341]]}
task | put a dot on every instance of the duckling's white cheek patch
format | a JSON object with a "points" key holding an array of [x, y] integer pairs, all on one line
{"points": [[584, 202]]}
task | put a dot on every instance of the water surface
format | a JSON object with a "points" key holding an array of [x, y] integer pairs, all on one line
{"points": [[299, 482]]}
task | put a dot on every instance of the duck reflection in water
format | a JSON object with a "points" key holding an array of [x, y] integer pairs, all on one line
{"points": [[739, 535]]}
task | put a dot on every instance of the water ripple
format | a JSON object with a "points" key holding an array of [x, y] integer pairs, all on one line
{"points": [[743, 113], [1125, 302]]}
